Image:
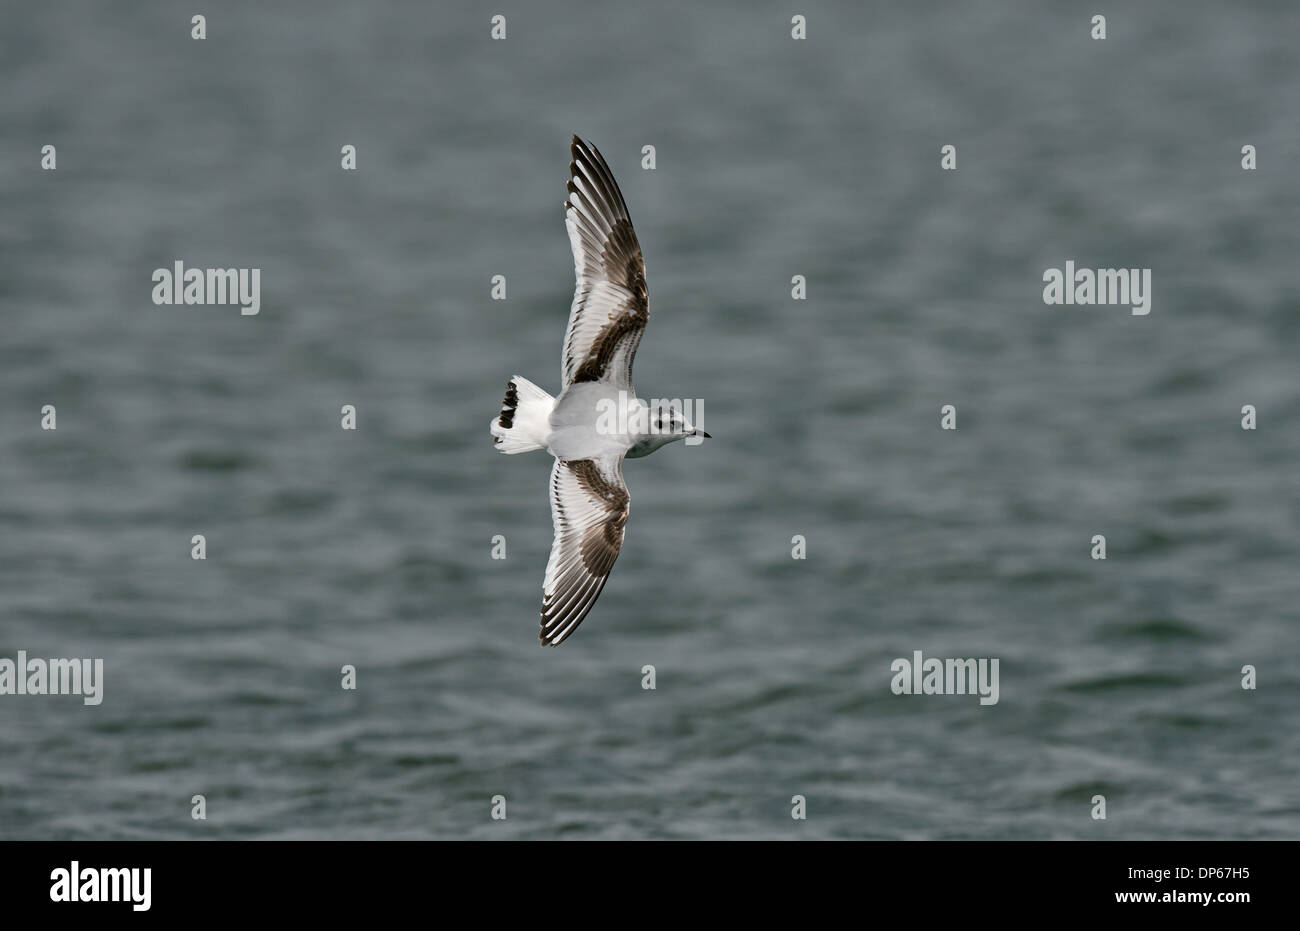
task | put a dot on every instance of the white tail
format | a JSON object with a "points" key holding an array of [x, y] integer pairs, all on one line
{"points": [[525, 419]]}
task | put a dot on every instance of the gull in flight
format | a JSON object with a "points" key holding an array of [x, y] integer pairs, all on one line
{"points": [[597, 421]]}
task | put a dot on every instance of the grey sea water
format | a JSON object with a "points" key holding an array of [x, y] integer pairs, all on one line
{"points": [[775, 158]]}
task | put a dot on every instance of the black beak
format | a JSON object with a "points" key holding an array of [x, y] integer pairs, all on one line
{"points": [[701, 433]]}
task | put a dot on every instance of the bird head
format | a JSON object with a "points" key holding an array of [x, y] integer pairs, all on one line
{"points": [[668, 420]]}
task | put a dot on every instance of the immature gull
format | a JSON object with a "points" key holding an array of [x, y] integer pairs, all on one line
{"points": [[597, 420]]}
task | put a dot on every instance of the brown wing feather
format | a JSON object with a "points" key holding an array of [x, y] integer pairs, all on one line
{"points": [[589, 507], [611, 304]]}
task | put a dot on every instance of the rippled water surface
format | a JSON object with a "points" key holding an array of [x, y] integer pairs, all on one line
{"points": [[774, 158]]}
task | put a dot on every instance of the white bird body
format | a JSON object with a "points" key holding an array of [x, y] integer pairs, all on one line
{"points": [[597, 420]]}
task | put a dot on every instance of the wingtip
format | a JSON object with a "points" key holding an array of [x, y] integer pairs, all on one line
{"points": [[582, 149]]}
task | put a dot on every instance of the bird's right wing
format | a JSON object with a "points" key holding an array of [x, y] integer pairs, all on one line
{"points": [[589, 507], [610, 301]]}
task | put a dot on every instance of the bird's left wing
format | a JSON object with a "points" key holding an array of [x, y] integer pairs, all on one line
{"points": [[610, 301], [589, 507]]}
